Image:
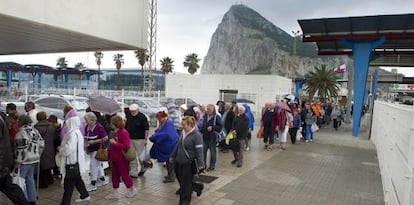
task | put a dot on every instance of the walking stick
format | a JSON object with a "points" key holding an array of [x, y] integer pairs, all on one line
{"points": [[37, 181]]}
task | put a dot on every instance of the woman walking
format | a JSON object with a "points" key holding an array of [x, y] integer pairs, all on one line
{"points": [[188, 155], [72, 155], [335, 116], [120, 166], [164, 140], [96, 137], [296, 124], [47, 159], [29, 146], [310, 119], [282, 127]]}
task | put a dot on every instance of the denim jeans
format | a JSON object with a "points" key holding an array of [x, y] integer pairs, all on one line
{"points": [[27, 172], [210, 144], [309, 133]]}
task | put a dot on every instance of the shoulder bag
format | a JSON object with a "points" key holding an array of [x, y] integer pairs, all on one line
{"points": [[72, 170], [131, 153], [194, 163], [102, 153]]}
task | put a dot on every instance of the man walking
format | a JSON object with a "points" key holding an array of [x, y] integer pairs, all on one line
{"points": [[210, 129], [138, 128]]}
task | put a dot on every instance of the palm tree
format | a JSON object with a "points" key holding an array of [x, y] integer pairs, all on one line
{"points": [[323, 82], [98, 57], [142, 55], [167, 65], [119, 60], [79, 66], [61, 62], [191, 62]]}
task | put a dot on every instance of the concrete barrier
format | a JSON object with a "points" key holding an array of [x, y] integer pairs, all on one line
{"points": [[393, 135]]}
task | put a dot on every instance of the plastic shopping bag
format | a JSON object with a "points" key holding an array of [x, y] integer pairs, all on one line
{"points": [[145, 157], [17, 179], [299, 134]]}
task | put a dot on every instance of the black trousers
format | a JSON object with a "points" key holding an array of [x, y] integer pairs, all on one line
{"points": [[292, 133], [68, 185], [12, 191], [186, 180]]}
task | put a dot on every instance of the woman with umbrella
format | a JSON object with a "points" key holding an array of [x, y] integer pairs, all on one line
{"points": [[282, 125]]}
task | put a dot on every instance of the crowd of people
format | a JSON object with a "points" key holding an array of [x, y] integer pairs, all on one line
{"points": [[182, 142]]}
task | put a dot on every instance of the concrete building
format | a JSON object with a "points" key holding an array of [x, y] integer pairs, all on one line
{"points": [[47, 26], [205, 89]]}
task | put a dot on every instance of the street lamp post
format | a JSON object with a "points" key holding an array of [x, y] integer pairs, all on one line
{"points": [[295, 34]]}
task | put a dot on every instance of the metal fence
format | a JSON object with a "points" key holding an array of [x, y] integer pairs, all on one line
{"points": [[14, 94], [393, 135]]}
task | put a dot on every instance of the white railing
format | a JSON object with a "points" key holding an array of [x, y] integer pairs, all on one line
{"points": [[393, 135]]}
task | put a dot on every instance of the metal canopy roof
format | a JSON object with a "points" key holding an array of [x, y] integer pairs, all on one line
{"points": [[398, 30], [19, 36]]}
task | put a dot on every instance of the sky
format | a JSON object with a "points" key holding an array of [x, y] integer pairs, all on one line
{"points": [[186, 26]]}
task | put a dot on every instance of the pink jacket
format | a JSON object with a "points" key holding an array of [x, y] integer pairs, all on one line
{"points": [[123, 143]]}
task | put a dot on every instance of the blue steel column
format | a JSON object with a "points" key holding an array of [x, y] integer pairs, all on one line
{"points": [[66, 80], [9, 75], [298, 87], [361, 52], [374, 85]]}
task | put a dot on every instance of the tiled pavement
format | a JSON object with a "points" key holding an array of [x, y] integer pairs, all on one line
{"points": [[334, 169]]}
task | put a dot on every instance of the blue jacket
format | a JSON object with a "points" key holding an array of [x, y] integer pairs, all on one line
{"points": [[165, 138], [297, 121], [249, 115]]}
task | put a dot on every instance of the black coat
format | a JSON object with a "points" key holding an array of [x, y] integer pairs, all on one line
{"points": [[241, 126], [47, 160], [6, 153], [228, 121], [216, 124]]}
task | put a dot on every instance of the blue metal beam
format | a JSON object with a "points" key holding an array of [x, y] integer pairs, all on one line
{"points": [[361, 51]]}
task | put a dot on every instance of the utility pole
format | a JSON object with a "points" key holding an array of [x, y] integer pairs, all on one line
{"points": [[152, 45], [295, 34]]}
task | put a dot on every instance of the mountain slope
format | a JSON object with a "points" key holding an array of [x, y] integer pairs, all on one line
{"points": [[247, 43]]}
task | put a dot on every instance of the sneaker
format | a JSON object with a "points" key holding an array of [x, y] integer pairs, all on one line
{"points": [[234, 161], [83, 200], [91, 187], [311, 140], [132, 193], [247, 148], [101, 182], [112, 197], [307, 141]]}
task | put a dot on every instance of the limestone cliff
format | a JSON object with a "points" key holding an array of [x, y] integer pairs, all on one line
{"points": [[247, 43]]}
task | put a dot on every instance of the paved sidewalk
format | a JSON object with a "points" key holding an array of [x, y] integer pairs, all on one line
{"points": [[334, 169]]}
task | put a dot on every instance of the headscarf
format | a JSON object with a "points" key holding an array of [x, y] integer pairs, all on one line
{"points": [[65, 128]]}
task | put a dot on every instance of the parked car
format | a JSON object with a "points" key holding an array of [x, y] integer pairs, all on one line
{"points": [[54, 104], [188, 101], [148, 106], [164, 101]]}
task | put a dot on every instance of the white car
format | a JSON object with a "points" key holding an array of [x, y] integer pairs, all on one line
{"points": [[54, 104], [148, 106]]}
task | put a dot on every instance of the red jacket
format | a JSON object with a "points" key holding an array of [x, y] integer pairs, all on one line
{"points": [[123, 144]]}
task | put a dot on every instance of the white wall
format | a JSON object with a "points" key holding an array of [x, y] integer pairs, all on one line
{"points": [[393, 135], [123, 21], [205, 89]]}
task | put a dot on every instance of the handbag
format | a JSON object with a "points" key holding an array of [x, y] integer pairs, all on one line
{"points": [[130, 154], [72, 170], [102, 153], [194, 163], [259, 133], [17, 179], [314, 127], [234, 145]]}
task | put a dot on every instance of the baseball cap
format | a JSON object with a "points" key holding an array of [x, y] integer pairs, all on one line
{"points": [[133, 107]]}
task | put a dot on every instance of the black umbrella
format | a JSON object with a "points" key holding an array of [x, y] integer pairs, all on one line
{"points": [[242, 100]]}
